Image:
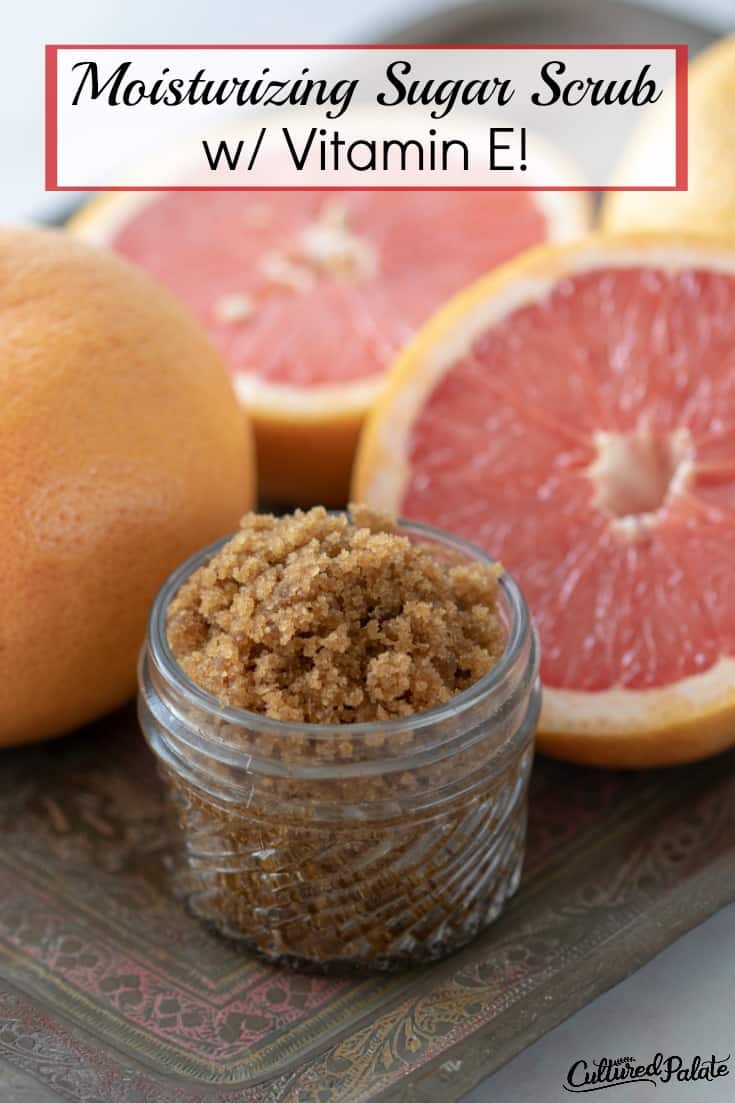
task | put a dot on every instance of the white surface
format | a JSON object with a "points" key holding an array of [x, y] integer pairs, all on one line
{"points": [[683, 1001], [680, 1003]]}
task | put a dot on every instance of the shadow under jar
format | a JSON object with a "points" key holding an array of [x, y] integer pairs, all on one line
{"points": [[374, 845]]}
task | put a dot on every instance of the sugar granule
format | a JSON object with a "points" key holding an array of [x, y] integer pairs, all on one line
{"points": [[334, 619]]}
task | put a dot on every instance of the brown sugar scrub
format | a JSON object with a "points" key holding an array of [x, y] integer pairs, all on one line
{"points": [[343, 711], [328, 619]]}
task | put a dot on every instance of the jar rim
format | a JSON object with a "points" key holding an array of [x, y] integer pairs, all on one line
{"points": [[518, 630]]}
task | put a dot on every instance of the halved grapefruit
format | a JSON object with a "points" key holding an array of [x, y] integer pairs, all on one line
{"points": [[574, 413], [708, 204], [311, 295]]}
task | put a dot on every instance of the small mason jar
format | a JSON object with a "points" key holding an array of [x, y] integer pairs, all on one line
{"points": [[372, 845]]}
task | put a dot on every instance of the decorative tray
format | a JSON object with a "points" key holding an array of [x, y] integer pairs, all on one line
{"points": [[110, 993]]}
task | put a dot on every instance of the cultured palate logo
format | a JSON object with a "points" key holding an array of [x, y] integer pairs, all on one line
{"points": [[611, 1072]]}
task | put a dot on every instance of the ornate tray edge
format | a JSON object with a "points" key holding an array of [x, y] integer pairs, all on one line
{"points": [[479, 1056]]}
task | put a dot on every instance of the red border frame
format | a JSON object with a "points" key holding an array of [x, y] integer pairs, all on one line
{"points": [[52, 122]]}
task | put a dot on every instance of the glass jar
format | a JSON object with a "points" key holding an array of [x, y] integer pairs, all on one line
{"points": [[365, 845]]}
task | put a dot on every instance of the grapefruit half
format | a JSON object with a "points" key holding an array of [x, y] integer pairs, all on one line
{"points": [[310, 295], [574, 413], [708, 204]]}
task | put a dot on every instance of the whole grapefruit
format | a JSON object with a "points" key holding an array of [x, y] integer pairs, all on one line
{"points": [[122, 450]]}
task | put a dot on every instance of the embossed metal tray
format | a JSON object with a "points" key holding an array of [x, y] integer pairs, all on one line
{"points": [[110, 993]]}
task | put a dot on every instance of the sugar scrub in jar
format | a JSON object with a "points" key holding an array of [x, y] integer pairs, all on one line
{"points": [[342, 710]]}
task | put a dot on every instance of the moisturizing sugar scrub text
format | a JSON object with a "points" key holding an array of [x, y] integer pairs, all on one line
{"points": [[123, 87], [368, 116]]}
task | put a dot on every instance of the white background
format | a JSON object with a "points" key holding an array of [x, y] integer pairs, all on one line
{"points": [[684, 1001]]}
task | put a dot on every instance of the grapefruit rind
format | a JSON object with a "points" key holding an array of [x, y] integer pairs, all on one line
{"points": [[123, 451], [683, 722], [693, 719]]}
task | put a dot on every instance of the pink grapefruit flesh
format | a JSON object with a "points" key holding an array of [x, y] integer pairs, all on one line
{"points": [[427, 245], [311, 295], [587, 438]]}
